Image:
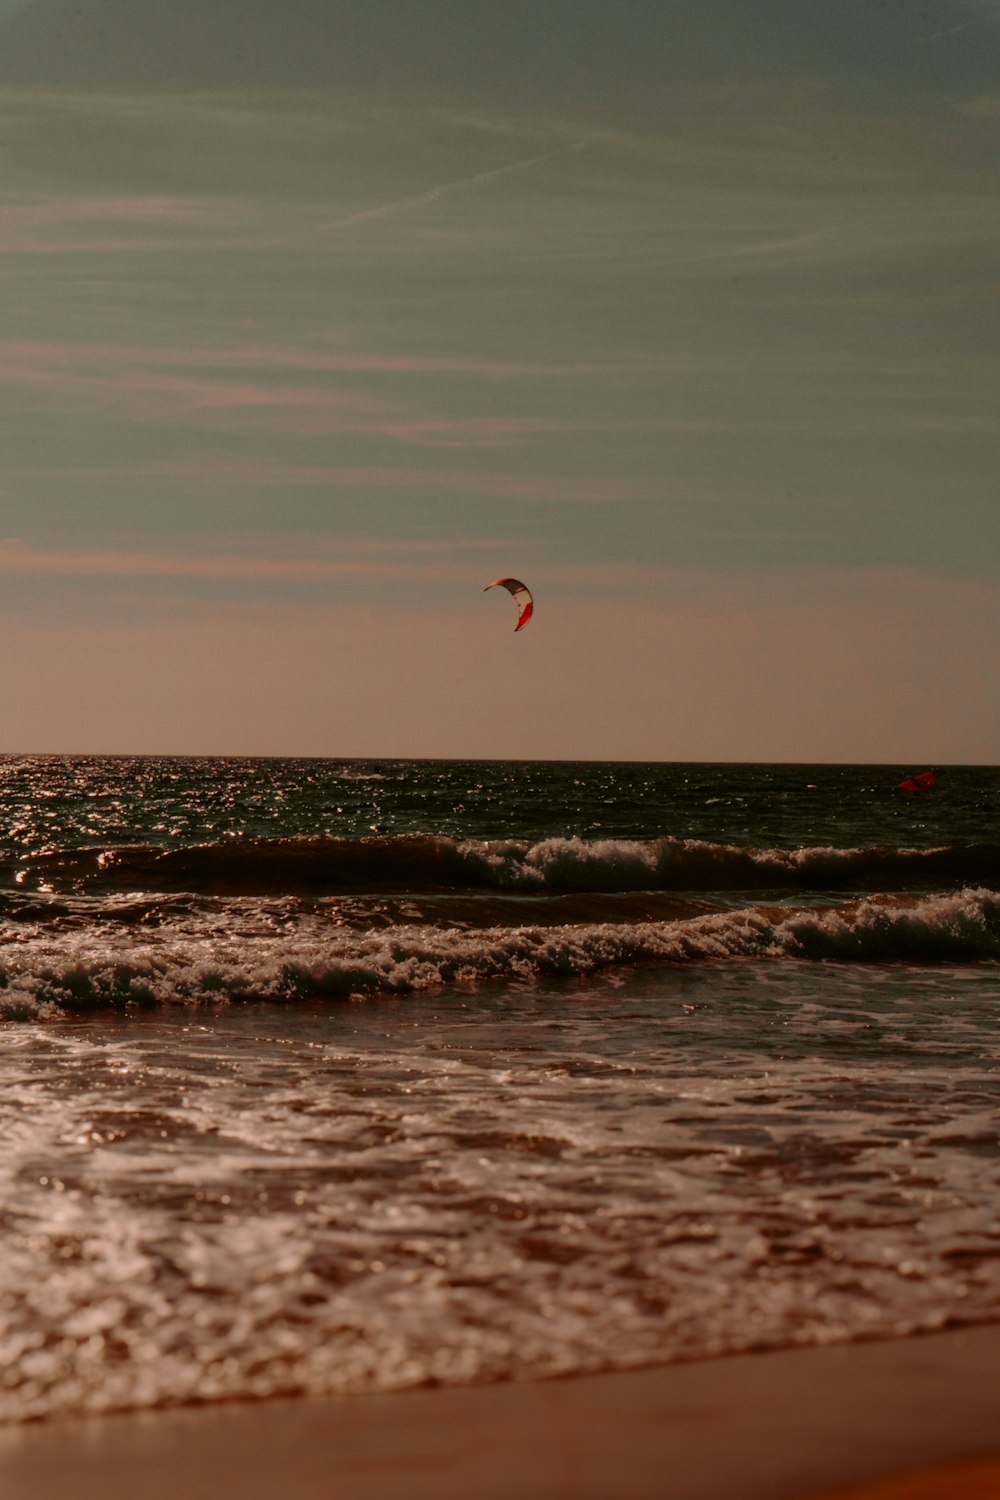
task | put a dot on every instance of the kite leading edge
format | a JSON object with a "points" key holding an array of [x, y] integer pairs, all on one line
{"points": [[522, 598]]}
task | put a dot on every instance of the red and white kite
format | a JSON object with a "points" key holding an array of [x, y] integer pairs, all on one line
{"points": [[522, 598]]}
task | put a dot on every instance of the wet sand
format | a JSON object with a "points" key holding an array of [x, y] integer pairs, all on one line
{"points": [[972, 1481], [790, 1425]]}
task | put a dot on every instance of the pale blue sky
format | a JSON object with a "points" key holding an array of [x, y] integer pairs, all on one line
{"points": [[690, 321]]}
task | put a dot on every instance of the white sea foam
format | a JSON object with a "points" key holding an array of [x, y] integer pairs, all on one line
{"points": [[204, 959], [694, 864], [253, 1204]]}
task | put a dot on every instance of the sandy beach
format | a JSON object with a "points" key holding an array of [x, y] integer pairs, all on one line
{"points": [[911, 1419], [978, 1480]]}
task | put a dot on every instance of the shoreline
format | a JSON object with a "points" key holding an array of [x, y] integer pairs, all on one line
{"points": [[817, 1423]]}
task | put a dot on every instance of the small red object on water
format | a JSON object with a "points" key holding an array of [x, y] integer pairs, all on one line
{"points": [[921, 783]]}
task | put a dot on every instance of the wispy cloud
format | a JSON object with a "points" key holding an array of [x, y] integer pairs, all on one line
{"points": [[161, 209], [484, 484], [416, 561], [985, 106], [143, 383], [422, 561], [71, 224], [441, 190], [941, 35], [311, 391], [430, 403], [54, 354], [305, 391]]}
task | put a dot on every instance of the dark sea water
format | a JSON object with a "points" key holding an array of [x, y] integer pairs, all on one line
{"points": [[322, 1076]]}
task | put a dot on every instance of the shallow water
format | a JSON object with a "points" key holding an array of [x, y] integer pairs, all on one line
{"points": [[479, 1186]]}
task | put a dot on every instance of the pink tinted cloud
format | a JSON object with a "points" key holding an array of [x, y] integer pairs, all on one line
{"points": [[284, 358], [148, 210], [375, 562], [57, 226], [422, 561], [498, 432], [471, 482], [157, 384], [153, 393], [118, 246], [413, 561]]}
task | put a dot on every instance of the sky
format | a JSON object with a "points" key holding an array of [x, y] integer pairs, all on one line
{"points": [[319, 315]]}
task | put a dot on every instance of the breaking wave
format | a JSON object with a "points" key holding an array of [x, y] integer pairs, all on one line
{"points": [[423, 864], [47, 974]]}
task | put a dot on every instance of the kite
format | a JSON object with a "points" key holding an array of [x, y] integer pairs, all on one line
{"points": [[921, 783], [522, 598]]}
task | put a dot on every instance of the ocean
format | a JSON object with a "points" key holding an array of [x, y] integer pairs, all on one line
{"points": [[323, 1076]]}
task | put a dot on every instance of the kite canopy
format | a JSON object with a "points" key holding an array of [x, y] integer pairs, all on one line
{"points": [[522, 598], [921, 783]]}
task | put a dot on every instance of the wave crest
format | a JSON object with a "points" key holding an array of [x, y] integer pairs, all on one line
{"points": [[47, 975], [424, 864]]}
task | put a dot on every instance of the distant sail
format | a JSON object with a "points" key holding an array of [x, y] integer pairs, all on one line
{"points": [[522, 598], [921, 783]]}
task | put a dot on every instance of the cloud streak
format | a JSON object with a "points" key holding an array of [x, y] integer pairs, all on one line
{"points": [[422, 561], [480, 483], [143, 386], [305, 391], [443, 190], [411, 399], [416, 561], [367, 561], [64, 224], [55, 354]]}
